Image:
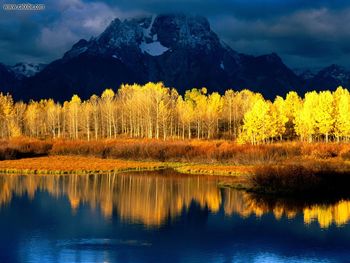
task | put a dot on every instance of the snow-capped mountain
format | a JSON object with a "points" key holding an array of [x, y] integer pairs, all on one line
{"points": [[328, 78], [180, 50], [27, 69], [12, 77], [150, 35], [306, 73]]}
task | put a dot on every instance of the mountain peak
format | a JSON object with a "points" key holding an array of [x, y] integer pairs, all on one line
{"points": [[180, 50], [334, 68], [271, 58], [150, 35], [330, 77], [334, 71], [27, 69]]}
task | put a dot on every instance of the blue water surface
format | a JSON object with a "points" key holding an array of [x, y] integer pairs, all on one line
{"points": [[157, 218]]}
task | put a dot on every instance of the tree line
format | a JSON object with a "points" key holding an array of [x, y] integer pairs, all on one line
{"points": [[155, 111]]}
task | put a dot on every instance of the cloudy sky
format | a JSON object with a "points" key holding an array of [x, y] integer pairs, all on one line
{"points": [[304, 33]]}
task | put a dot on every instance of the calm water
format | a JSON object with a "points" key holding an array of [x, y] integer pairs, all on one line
{"points": [[158, 217]]}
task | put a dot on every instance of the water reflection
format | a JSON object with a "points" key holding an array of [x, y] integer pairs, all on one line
{"points": [[325, 214], [153, 198]]}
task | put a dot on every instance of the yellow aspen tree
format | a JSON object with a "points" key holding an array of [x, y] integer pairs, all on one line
{"points": [[256, 123], [66, 120], [279, 117], [150, 116], [198, 98], [74, 107], [213, 111], [273, 130], [164, 114], [324, 114], [293, 104], [42, 118], [229, 108], [185, 111], [94, 102], [53, 117], [138, 111], [172, 111], [244, 101], [107, 99], [7, 115], [159, 96], [341, 114], [305, 122], [19, 114], [86, 112], [31, 119]]}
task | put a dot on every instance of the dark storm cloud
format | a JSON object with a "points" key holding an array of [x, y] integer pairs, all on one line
{"points": [[317, 35], [302, 32]]}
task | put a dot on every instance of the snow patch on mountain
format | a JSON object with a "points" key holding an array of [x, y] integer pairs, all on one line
{"points": [[116, 57], [27, 69], [76, 51], [147, 31], [222, 66], [153, 48], [336, 72]]}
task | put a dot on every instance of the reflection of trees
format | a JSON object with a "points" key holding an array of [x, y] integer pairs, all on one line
{"points": [[151, 199], [338, 213], [246, 204], [138, 198]]}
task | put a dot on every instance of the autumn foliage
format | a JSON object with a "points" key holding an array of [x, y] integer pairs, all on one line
{"points": [[207, 151], [153, 111]]}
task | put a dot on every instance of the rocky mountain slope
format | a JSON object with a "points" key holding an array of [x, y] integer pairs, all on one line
{"points": [[180, 50]]}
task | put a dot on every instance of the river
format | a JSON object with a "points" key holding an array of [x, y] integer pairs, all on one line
{"points": [[162, 217]]}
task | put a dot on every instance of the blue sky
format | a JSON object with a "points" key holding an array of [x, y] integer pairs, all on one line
{"points": [[304, 33]]}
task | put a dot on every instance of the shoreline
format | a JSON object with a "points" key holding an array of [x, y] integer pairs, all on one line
{"points": [[284, 180], [66, 164]]}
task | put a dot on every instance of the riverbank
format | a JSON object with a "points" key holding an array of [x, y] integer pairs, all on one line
{"points": [[76, 165], [86, 165], [290, 168], [188, 151]]}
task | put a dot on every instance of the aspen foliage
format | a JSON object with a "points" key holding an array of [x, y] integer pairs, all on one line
{"points": [[256, 123], [341, 104], [156, 111]]}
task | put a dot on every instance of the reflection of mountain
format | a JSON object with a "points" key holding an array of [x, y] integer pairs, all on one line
{"points": [[152, 199]]}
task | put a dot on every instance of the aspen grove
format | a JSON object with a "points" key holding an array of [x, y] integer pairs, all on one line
{"points": [[155, 111]]}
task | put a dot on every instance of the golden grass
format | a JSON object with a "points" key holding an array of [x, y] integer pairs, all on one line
{"points": [[216, 169], [198, 151], [74, 165], [214, 157], [82, 165]]}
